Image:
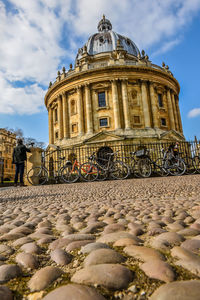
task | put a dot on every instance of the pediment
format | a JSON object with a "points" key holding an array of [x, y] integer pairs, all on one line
{"points": [[103, 137], [100, 86], [172, 135]]}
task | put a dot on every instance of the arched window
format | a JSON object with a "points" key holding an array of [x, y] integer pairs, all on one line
{"points": [[73, 107]]}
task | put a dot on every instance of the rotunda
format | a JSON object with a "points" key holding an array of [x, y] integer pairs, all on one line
{"points": [[113, 94]]}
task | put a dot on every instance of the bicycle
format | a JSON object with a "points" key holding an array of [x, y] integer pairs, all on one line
{"points": [[115, 168], [73, 171], [41, 175]]}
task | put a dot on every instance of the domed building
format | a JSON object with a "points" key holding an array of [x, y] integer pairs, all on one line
{"points": [[113, 94]]}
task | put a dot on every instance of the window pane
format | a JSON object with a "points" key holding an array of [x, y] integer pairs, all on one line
{"points": [[103, 122], [137, 119], [160, 102], [163, 122], [102, 99]]}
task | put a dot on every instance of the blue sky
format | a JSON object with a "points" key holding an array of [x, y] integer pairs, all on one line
{"points": [[39, 37]]}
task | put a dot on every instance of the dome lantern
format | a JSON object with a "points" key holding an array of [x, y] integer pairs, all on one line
{"points": [[104, 25]]}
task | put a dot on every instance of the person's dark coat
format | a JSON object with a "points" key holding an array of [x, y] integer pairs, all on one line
{"points": [[19, 154]]}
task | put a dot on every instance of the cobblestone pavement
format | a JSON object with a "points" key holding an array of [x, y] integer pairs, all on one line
{"points": [[132, 239]]}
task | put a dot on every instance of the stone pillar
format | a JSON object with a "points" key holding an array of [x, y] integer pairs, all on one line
{"points": [[34, 159], [60, 118], [146, 110], [154, 106], [116, 105], [170, 110], [179, 115], [175, 111], [80, 111], [65, 116], [125, 104], [51, 126], [88, 109]]}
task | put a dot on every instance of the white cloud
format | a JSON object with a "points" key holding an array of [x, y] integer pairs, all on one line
{"points": [[195, 112], [38, 37], [27, 100]]}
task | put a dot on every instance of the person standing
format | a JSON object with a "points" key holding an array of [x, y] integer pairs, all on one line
{"points": [[19, 158]]}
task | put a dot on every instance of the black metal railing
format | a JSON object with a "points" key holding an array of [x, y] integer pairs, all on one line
{"points": [[51, 159]]}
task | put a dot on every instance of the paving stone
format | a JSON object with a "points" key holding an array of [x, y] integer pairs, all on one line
{"points": [[77, 244], [43, 278], [74, 292], [80, 237], [22, 241], [158, 269], [191, 245], [61, 257], [32, 248], [143, 253], [93, 246], [5, 293], [103, 256], [8, 272], [59, 243], [187, 260], [113, 228], [125, 242], [113, 237], [6, 250], [111, 276], [188, 232], [27, 260], [179, 290]]}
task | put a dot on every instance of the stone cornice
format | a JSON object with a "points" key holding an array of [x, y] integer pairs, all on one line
{"points": [[106, 72]]}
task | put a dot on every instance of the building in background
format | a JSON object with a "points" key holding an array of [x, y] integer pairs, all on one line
{"points": [[114, 94], [7, 144]]}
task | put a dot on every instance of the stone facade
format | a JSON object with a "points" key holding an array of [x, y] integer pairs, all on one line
{"points": [[7, 144], [114, 93]]}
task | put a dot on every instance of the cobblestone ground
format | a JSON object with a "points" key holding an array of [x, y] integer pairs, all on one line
{"points": [[132, 239]]}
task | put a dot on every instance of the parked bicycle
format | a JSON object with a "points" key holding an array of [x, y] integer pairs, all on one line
{"points": [[41, 175], [113, 167]]}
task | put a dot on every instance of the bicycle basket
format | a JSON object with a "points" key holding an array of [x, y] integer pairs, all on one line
{"points": [[140, 153]]}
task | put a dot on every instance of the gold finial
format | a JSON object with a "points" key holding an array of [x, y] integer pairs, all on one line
{"points": [[104, 17]]}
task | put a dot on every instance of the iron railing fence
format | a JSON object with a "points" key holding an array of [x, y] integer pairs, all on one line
{"points": [[51, 159], [1, 169]]}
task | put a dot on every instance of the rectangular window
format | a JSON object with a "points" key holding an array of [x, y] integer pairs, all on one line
{"points": [[56, 135], [74, 128], [103, 122], [160, 100], [136, 119], [163, 122], [102, 99]]}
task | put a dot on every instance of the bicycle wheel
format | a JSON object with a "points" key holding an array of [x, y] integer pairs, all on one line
{"points": [[102, 174], [70, 174], [37, 176], [178, 168], [159, 167], [197, 163], [144, 167], [89, 171], [190, 165], [119, 170]]}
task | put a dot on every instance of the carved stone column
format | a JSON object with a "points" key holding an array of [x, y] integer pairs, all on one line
{"points": [[88, 109], [125, 104], [60, 118], [116, 105], [154, 106], [51, 131], [146, 110], [179, 115], [170, 110], [80, 111], [65, 116], [175, 111]]}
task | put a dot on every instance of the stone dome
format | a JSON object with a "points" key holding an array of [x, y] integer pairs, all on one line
{"points": [[107, 40]]}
